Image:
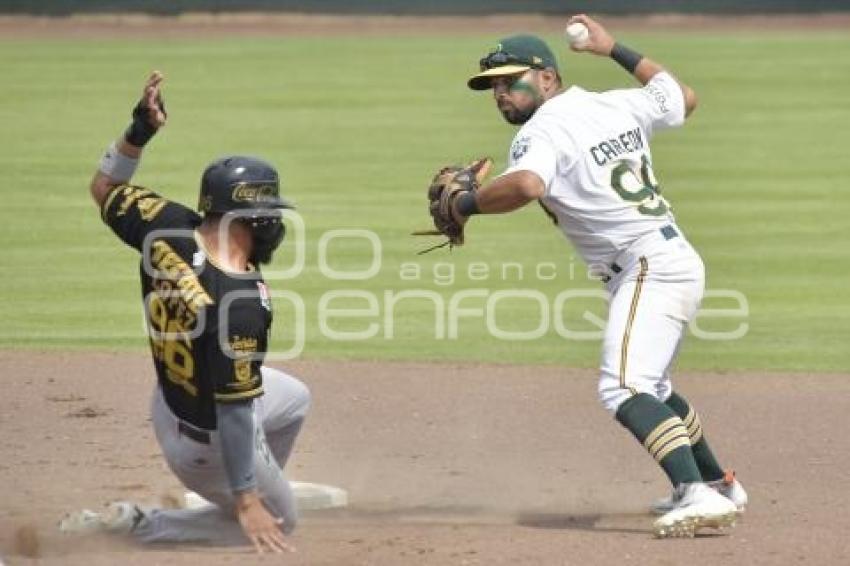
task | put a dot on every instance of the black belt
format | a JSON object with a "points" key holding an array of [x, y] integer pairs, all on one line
{"points": [[195, 434], [668, 231]]}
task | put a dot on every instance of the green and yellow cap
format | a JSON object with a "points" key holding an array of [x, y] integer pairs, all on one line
{"points": [[513, 55]]}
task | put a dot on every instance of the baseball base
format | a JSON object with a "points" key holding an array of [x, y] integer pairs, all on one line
{"points": [[309, 497]]}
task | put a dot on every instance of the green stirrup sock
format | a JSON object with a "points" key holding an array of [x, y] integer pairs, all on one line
{"points": [[708, 465], [663, 434]]}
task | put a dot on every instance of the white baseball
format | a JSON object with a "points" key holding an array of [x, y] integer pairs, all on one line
{"points": [[576, 33]]}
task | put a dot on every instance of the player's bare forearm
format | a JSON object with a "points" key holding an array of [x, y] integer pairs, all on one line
{"points": [[121, 159], [509, 192], [646, 69], [601, 42]]}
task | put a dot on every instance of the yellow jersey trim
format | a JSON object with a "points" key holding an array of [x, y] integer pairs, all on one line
{"points": [[110, 196], [238, 396]]}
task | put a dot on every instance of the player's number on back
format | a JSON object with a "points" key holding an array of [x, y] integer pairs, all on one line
{"points": [[640, 187], [175, 353]]}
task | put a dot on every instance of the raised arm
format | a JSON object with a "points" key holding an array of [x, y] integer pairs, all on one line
{"points": [[601, 42], [122, 157]]}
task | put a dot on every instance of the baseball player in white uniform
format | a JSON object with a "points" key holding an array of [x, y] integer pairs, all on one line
{"points": [[585, 157]]}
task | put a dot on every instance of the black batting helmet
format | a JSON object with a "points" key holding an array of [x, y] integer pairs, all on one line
{"points": [[251, 187], [239, 182]]}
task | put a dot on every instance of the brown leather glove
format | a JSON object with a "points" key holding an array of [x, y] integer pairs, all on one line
{"points": [[447, 185]]}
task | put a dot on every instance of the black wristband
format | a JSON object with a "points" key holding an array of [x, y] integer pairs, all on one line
{"points": [[625, 57], [466, 205], [140, 130]]}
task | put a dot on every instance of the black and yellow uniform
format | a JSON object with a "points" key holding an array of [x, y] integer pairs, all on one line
{"points": [[208, 328]]}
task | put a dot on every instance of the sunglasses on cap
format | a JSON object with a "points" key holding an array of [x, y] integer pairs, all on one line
{"points": [[500, 59]]}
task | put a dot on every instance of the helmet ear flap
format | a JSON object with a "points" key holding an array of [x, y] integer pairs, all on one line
{"points": [[204, 203]]}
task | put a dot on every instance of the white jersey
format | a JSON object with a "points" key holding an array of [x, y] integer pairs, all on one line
{"points": [[592, 152]]}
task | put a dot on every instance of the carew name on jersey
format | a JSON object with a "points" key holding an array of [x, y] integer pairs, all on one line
{"points": [[605, 151]]}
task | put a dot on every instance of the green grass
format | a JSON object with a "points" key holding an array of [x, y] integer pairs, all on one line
{"points": [[357, 128]]}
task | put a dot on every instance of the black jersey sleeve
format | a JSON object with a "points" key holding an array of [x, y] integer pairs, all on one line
{"points": [[135, 212], [237, 353]]}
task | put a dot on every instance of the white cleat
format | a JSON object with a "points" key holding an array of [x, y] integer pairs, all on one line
{"points": [[81, 522], [698, 506], [119, 517], [727, 486]]}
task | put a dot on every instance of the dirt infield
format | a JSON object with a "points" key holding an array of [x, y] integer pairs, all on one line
{"points": [[445, 464], [282, 24]]}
